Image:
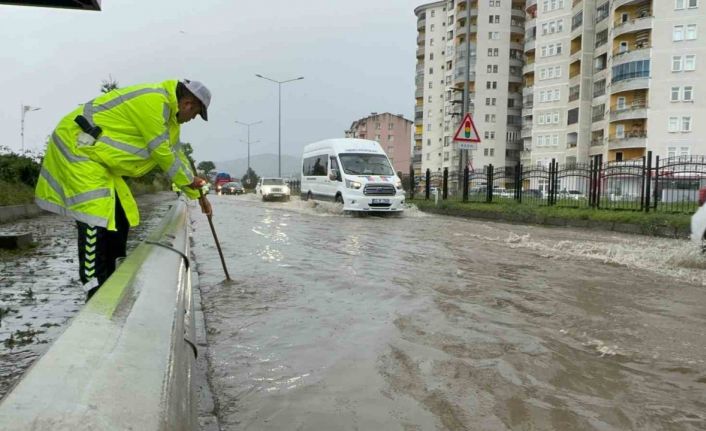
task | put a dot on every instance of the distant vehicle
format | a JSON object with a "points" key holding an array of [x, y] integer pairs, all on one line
{"points": [[571, 194], [232, 188], [533, 193], [272, 188], [353, 172], [221, 178]]}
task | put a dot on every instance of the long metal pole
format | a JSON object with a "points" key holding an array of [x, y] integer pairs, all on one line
{"points": [[279, 131], [248, 172], [466, 89], [213, 229]]}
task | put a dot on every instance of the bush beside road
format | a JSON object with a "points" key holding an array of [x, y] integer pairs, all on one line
{"points": [[654, 224]]}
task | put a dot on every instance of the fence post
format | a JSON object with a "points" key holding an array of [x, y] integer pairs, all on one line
{"points": [[427, 186], [489, 189], [648, 185], [518, 186], [412, 181], [446, 184], [656, 196], [552, 182], [599, 180], [591, 184], [465, 184]]}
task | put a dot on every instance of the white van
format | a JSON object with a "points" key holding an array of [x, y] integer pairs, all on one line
{"points": [[355, 172]]}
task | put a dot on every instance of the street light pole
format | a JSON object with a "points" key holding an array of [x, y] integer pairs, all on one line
{"points": [[248, 126], [25, 109], [279, 117]]}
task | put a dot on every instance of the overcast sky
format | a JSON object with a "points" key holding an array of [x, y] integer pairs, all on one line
{"points": [[356, 57]]}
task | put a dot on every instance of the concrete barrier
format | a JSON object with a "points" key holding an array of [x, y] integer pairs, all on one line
{"points": [[15, 212], [126, 360]]}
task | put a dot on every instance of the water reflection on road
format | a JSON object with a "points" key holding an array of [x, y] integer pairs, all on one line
{"points": [[426, 322]]}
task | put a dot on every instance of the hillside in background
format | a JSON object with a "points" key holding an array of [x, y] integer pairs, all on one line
{"points": [[264, 165]]}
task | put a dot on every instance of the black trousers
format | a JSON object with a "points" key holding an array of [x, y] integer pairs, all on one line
{"points": [[98, 249]]}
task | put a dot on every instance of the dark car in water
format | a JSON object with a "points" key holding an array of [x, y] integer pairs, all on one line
{"points": [[232, 188]]}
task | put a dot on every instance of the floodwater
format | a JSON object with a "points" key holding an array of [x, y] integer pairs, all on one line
{"points": [[426, 322], [39, 287]]}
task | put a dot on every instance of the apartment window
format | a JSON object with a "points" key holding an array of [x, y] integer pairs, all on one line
{"points": [[428, 127], [431, 41], [432, 13], [634, 69], [675, 94], [431, 71], [601, 37], [673, 124], [446, 156], [494, 3], [491, 85], [430, 84], [620, 131], [690, 32], [489, 135], [686, 124], [681, 4], [602, 12], [494, 19], [671, 152], [543, 73], [620, 104], [689, 62], [428, 142], [545, 28], [676, 63], [684, 151], [494, 35], [693, 3], [678, 33], [429, 99], [495, 68], [688, 94], [428, 156]]}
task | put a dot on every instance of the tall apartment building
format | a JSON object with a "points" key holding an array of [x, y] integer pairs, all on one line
{"points": [[392, 131], [494, 44], [616, 78]]}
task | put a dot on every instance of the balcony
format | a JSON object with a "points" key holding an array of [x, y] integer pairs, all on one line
{"points": [[527, 91], [526, 111], [530, 44], [421, 24], [517, 28], [419, 121], [597, 142], [517, 62], [526, 132], [419, 109], [575, 56], [528, 68], [634, 25], [420, 51], [619, 3], [634, 111], [628, 55], [460, 74], [518, 13], [634, 139], [640, 81], [420, 39], [419, 92], [418, 137]]}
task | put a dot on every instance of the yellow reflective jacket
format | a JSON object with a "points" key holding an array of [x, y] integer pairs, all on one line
{"points": [[140, 131]]}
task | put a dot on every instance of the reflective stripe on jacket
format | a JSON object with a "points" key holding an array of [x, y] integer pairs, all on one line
{"points": [[139, 132]]}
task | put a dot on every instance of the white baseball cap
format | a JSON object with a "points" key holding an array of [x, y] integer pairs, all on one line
{"points": [[202, 93]]}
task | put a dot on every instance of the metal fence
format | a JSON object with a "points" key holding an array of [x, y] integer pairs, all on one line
{"points": [[643, 184]]}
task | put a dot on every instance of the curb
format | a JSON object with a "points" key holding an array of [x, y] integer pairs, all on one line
{"points": [[635, 229], [10, 213]]}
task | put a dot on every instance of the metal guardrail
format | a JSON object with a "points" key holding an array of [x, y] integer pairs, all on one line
{"points": [[126, 360]]}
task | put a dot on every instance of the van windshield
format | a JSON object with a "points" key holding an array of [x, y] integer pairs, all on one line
{"points": [[365, 164]]}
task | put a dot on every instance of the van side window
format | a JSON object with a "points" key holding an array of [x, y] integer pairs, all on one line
{"points": [[334, 168], [315, 165]]}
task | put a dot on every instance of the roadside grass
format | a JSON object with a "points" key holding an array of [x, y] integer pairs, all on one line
{"points": [[651, 223], [15, 193]]}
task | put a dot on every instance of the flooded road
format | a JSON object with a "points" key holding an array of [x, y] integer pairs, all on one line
{"points": [[427, 322]]}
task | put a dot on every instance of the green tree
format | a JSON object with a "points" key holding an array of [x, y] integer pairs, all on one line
{"points": [[188, 151], [250, 179], [206, 167], [109, 84]]}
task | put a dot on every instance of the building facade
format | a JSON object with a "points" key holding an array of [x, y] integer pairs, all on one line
{"points": [[559, 79], [392, 131], [612, 78], [487, 38]]}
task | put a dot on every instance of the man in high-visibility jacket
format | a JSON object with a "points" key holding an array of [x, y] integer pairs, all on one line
{"points": [[124, 133]]}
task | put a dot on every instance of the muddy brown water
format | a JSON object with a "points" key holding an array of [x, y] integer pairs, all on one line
{"points": [[39, 287], [423, 322]]}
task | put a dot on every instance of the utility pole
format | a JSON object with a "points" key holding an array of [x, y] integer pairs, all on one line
{"points": [[25, 109], [248, 126]]}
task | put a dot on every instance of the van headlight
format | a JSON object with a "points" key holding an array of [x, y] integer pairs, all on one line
{"points": [[398, 184], [353, 184]]}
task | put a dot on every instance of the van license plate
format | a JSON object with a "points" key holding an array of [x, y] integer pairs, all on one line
{"points": [[381, 201]]}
